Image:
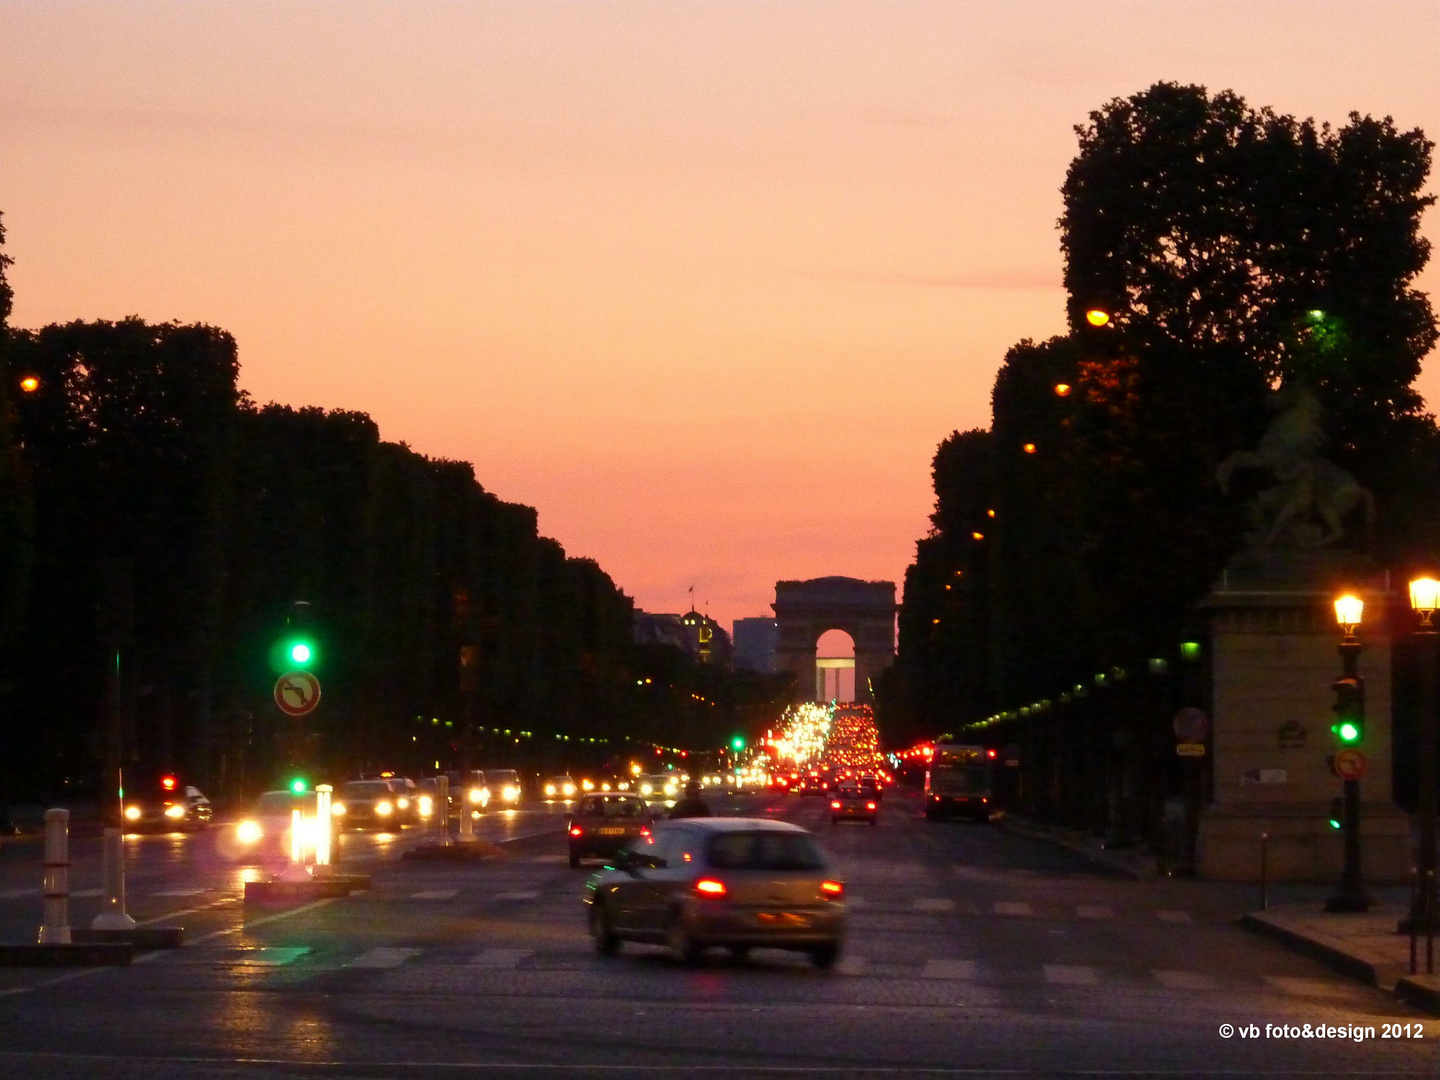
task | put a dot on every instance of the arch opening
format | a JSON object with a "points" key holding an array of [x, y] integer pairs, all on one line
{"points": [[835, 666]]}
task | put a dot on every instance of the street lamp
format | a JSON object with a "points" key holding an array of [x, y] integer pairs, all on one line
{"points": [[1425, 598], [1349, 690]]}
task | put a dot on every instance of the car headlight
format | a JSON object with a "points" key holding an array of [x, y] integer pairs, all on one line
{"points": [[588, 785], [427, 806], [569, 789], [550, 790], [645, 789], [248, 832], [402, 803], [132, 813], [511, 793], [337, 808], [479, 795], [383, 809], [175, 811]]}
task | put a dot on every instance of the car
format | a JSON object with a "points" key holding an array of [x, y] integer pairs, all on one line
{"points": [[602, 823], [263, 833], [369, 804], [504, 786], [872, 786], [407, 799], [167, 805], [851, 802], [560, 787], [811, 784], [740, 883], [658, 786]]}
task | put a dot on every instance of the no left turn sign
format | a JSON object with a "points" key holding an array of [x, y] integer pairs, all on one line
{"points": [[1350, 764], [297, 693]]}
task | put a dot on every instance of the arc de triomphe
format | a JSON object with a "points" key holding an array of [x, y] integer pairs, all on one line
{"points": [[804, 610]]}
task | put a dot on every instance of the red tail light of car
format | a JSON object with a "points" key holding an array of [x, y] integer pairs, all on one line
{"points": [[869, 806], [832, 890], [575, 830], [645, 830], [834, 804], [711, 888]]}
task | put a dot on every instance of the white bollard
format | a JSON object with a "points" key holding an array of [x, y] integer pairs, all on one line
{"points": [[295, 869], [56, 928], [113, 916], [322, 828], [442, 808]]}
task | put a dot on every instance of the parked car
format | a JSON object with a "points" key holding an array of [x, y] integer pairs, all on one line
{"points": [[694, 883]]}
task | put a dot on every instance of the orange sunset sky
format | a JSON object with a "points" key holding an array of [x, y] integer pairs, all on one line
{"points": [[705, 282]]}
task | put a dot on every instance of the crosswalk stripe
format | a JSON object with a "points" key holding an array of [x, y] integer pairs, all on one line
{"points": [[1070, 975], [499, 958], [1300, 987], [1012, 907], [269, 956], [1184, 980], [941, 968], [517, 896], [933, 904], [179, 892], [851, 965], [1174, 916], [436, 894], [1094, 911], [384, 957]]}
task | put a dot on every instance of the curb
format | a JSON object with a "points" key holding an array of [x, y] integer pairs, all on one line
{"points": [[1329, 952], [1087, 850], [91, 955], [1422, 991]]}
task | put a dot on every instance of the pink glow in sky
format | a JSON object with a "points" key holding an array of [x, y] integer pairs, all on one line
{"points": [[705, 282]]}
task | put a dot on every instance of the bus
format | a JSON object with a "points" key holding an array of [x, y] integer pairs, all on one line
{"points": [[959, 780]]}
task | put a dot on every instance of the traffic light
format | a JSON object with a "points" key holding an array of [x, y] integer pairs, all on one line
{"points": [[1337, 813], [738, 743], [297, 649], [1349, 709], [299, 786]]}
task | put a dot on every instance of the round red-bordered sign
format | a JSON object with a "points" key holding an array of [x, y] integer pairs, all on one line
{"points": [[1350, 764], [297, 693]]}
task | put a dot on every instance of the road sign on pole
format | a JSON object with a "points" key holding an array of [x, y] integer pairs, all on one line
{"points": [[1350, 765], [297, 693], [1191, 725]]}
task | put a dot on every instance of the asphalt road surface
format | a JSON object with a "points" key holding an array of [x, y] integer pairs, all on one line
{"points": [[972, 952]]}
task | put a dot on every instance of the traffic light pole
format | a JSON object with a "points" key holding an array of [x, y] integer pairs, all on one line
{"points": [[1422, 915], [1349, 895]]}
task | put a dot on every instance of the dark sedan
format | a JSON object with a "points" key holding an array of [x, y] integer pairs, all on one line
{"points": [[604, 823], [168, 805]]}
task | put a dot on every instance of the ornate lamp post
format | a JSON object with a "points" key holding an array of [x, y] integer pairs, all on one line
{"points": [[1425, 598], [1349, 689]]}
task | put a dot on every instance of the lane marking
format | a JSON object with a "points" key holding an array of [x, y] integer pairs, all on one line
{"points": [[1070, 975], [268, 956], [1174, 916], [940, 968], [933, 904], [523, 895], [1013, 907], [384, 956], [1094, 911], [499, 958], [1185, 980], [436, 894], [1300, 987], [180, 892]]}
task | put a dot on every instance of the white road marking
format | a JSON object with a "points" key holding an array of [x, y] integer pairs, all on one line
{"points": [[179, 892], [269, 956], [933, 904], [16, 894], [1299, 987], [1070, 975], [1184, 980], [1094, 911], [499, 958], [1012, 907], [384, 957], [436, 894], [1174, 916], [939, 968], [516, 896]]}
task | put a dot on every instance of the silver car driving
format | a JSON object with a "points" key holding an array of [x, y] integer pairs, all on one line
{"points": [[694, 883]]}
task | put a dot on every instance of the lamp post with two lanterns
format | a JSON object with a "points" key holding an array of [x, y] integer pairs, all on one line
{"points": [[1424, 599], [1349, 765]]}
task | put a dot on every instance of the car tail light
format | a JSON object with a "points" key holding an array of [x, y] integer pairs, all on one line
{"points": [[869, 806], [834, 804], [984, 800], [644, 830], [575, 830], [832, 889], [710, 887]]}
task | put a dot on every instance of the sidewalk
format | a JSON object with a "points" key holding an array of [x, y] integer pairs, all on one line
{"points": [[1365, 947], [1133, 862]]}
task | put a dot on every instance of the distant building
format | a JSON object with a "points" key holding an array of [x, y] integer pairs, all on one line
{"points": [[755, 641], [699, 635]]}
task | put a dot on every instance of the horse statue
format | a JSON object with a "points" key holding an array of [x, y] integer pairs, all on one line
{"points": [[1308, 505]]}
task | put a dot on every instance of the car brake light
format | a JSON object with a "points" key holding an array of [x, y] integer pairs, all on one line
{"points": [[835, 804], [710, 887], [869, 806], [832, 888], [575, 830], [645, 830], [984, 800]]}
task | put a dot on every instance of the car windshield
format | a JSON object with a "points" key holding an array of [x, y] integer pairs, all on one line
{"points": [[366, 789], [764, 851], [617, 806], [502, 776]]}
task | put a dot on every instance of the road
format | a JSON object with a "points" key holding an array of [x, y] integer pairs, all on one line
{"points": [[972, 952]]}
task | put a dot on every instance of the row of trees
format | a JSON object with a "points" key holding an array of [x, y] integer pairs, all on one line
{"points": [[1235, 251], [156, 527]]}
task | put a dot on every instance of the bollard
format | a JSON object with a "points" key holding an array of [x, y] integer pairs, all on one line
{"points": [[56, 928], [1414, 906], [322, 826], [467, 821], [1264, 877], [442, 808], [295, 868], [112, 916]]}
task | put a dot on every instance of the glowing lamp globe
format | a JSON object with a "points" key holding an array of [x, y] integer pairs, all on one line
{"points": [[1097, 317], [1348, 612]]}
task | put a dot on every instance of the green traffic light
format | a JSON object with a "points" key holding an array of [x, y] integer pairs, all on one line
{"points": [[298, 785], [1334, 823], [738, 743], [1348, 731], [300, 653]]}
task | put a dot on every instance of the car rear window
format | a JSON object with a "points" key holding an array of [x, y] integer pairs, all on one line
{"points": [[366, 789], [623, 806], [764, 851]]}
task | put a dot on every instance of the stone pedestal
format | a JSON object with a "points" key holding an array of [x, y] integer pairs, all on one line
{"points": [[1274, 656]]}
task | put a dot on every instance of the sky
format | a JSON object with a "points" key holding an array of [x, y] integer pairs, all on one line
{"points": [[704, 281]]}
